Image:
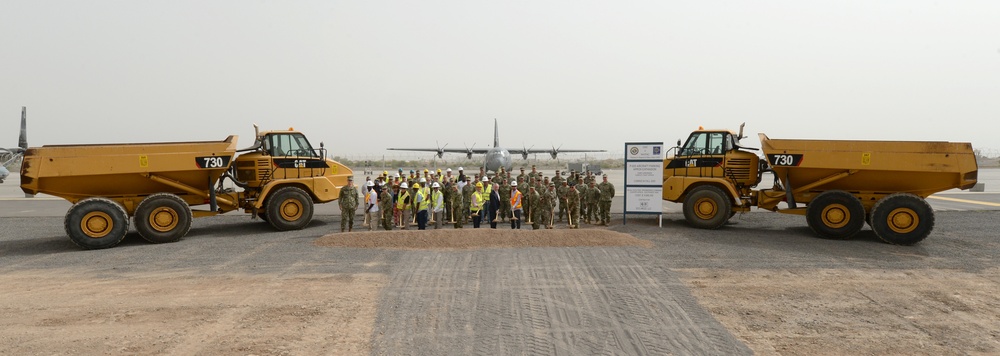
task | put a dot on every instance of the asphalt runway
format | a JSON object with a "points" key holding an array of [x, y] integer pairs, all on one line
{"points": [[546, 301]]}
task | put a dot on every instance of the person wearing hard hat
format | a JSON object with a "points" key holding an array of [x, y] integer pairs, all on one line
{"points": [[422, 202], [437, 204], [515, 206], [403, 202], [461, 174], [487, 189], [348, 201], [371, 209], [447, 175], [477, 204]]}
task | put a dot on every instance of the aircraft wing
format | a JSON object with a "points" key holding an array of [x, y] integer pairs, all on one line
{"points": [[560, 150], [443, 150]]}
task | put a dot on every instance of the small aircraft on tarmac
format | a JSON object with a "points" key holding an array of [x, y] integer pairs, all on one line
{"points": [[497, 156], [10, 155]]}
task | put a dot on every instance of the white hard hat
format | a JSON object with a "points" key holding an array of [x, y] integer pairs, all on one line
{"points": [[435, 185], [403, 185], [513, 184], [485, 179], [397, 175], [460, 168], [371, 184], [423, 180], [448, 170]]}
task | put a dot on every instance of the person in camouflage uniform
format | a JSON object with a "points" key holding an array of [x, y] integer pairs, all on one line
{"points": [[561, 189], [446, 194], [467, 201], [521, 179], [558, 179], [573, 206], [593, 197], [547, 203], [385, 206], [504, 200], [535, 174], [582, 189], [607, 193], [456, 203], [531, 200], [348, 201]]}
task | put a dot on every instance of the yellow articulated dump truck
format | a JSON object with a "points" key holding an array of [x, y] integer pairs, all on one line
{"points": [[837, 185], [278, 179]]}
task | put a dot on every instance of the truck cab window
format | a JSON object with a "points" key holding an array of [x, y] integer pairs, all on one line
{"points": [[705, 143], [289, 145]]}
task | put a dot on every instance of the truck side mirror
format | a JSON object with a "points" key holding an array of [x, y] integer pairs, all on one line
{"points": [[678, 143]]}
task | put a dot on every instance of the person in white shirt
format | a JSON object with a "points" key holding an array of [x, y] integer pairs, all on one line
{"points": [[371, 207], [437, 205]]}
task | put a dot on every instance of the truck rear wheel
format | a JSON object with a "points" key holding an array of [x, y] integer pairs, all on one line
{"points": [[707, 207], [836, 214], [289, 208], [163, 217], [902, 219], [96, 223]]}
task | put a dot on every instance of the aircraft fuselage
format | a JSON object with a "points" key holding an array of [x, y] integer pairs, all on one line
{"points": [[497, 157]]}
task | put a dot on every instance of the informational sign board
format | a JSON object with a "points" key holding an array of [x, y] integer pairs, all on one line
{"points": [[643, 179]]}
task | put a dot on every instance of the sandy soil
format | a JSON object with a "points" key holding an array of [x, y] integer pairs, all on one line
{"points": [[855, 312], [47, 312], [480, 238]]}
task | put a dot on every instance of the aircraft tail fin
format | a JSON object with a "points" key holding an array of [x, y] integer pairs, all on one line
{"points": [[22, 140], [496, 134]]}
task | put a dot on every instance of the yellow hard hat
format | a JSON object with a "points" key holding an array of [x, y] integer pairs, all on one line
{"points": [[416, 185], [479, 184]]}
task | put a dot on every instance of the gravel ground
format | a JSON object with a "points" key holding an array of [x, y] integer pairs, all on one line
{"points": [[761, 284]]}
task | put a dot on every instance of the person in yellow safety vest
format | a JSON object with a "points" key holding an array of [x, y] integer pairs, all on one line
{"points": [[487, 188], [422, 202], [403, 205], [437, 204], [478, 202], [515, 206]]}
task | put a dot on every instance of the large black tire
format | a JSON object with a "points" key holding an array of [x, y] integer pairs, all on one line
{"points": [[96, 223], [163, 217], [836, 214], [289, 208], [707, 207], [902, 219]]}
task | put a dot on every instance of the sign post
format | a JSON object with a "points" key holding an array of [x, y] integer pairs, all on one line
{"points": [[643, 179]]}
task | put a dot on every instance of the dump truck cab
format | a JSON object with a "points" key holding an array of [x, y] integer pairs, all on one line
{"points": [[712, 162], [285, 158]]}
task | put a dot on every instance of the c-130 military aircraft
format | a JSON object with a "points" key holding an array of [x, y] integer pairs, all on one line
{"points": [[496, 156], [9, 155]]}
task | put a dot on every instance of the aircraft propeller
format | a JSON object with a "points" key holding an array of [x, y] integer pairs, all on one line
{"points": [[555, 151]]}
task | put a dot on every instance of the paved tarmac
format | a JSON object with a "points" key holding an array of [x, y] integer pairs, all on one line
{"points": [[568, 301]]}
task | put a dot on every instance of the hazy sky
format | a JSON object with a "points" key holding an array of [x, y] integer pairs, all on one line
{"points": [[366, 75]]}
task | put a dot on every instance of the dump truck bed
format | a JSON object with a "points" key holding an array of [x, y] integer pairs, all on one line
{"points": [[75, 172], [917, 167]]}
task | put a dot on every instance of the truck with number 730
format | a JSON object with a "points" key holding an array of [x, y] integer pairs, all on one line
{"points": [[838, 185], [278, 179]]}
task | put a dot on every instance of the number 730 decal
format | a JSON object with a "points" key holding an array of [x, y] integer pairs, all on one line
{"points": [[783, 159], [212, 162]]}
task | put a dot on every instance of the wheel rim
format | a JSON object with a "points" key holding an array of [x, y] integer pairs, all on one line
{"points": [[836, 216], [903, 220], [96, 224], [291, 210], [163, 219], [705, 208]]}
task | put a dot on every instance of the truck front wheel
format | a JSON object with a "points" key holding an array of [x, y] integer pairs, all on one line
{"points": [[902, 219], [707, 207], [163, 217], [836, 214], [289, 208], [96, 223]]}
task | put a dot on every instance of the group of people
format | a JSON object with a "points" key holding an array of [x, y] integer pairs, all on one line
{"points": [[436, 198]]}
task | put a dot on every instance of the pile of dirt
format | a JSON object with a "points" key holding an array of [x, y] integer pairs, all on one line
{"points": [[464, 239]]}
